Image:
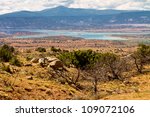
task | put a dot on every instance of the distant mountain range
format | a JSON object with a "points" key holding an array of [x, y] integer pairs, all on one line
{"points": [[70, 18]]}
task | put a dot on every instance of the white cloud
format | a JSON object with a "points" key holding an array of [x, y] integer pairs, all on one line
{"points": [[34, 5], [112, 4]]}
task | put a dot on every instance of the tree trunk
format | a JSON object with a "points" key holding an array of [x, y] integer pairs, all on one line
{"points": [[95, 85], [78, 76]]}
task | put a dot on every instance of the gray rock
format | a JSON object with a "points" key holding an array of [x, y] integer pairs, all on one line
{"points": [[29, 77], [56, 64], [51, 59], [42, 61]]}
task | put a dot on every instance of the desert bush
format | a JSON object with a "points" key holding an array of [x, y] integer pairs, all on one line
{"points": [[9, 48], [114, 66], [141, 57], [15, 61], [80, 59], [53, 49], [96, 73], [109, 66], [6, 53], [40, 49], [66, 58]]}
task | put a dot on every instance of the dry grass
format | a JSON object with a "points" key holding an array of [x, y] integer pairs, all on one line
{"points": [[18, 86]]}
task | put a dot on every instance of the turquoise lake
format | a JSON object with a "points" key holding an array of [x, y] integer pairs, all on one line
{"points": [[80, 34]]}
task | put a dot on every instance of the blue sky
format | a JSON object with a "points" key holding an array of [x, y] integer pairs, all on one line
{"points": [[7, 6]]}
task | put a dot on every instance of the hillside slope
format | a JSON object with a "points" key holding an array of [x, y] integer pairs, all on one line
{"points": [[33, 82]]}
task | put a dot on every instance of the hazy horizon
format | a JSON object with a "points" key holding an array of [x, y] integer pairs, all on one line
{"points": [[9, 6]]}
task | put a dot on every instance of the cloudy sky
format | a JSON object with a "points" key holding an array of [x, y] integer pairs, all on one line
{"points": [[7, 6]]}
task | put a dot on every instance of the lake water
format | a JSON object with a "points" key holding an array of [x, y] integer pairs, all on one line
{"points": [[80, 34]]}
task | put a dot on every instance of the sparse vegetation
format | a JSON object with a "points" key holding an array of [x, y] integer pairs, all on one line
{"points": [[141, 57], [53, 49], [87, 74], [7, 55], [40, 49], [15, 61]]}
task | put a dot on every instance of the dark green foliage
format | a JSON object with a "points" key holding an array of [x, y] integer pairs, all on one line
{"points": [[66, 58], [84, 58], [15, 61], [9, 48], [6, 53], [40, 49], [141, 57], [144, 50], [80, 59], [53, 49]]}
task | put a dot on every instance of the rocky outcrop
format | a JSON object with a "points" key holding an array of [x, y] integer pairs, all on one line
{"points": [[56, 64], [52, 62], [51, 59], [42, 61]]}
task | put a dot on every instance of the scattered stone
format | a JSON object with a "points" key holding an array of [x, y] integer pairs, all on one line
{"points": [[29, 89], [35, 60], [28, 65], [56, 64], [51, 59], [42, 89], [42, 61], [29, 77]]}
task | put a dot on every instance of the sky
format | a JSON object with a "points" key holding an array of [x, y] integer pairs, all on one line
{"points": [[7, 6]]}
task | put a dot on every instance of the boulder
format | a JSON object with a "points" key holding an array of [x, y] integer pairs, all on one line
{"points": [[42, 61], [56, 64], [50, 59], [35, 60], [29, 77]]}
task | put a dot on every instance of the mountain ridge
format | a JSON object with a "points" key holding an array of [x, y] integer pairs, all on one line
{"points": [[65, 11], [71, 18]]}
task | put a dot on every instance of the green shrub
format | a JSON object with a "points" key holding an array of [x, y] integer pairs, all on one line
{"points": [[53, 49], [5, 53], [15, 61], [40, 49], [9, 48], [80, 59], [66, 58], [141, 57]]}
